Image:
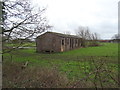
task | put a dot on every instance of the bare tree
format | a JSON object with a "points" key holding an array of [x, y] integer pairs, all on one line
{"points": [[81, 32], [88, 38], [94, 39], [94, 36], [116, 36], [84, 33], [21, 20]]}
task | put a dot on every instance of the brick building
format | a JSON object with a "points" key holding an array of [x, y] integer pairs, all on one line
{"points": [[57, 42]]}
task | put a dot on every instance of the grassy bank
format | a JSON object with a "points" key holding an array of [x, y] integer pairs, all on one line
{"points": [[82, 67]]}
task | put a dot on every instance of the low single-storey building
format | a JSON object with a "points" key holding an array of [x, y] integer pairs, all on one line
{"points": [[57, 42]]}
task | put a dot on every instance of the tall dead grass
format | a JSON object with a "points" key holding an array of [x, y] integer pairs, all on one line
{"points": [[32, 77]]}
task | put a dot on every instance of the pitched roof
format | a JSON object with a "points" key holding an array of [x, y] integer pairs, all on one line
{"points": [[63, 35]]}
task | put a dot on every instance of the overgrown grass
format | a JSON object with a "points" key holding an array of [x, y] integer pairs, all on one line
{"points": [[109, 49], [75, 64], [27, 44]]}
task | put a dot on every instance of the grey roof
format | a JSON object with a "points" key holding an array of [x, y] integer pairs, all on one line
{"points": [[63, 35]]}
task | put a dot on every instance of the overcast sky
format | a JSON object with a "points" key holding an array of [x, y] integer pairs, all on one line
{"points": [[100, 16]]}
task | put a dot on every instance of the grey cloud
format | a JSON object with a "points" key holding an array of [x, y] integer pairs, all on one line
{"points": [[99, 15]]}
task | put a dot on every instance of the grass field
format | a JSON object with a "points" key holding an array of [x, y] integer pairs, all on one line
{"points": [[84, 67], [27, 44]]}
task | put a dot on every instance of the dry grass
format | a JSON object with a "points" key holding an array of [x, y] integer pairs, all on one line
{"points": [[32, 77]]}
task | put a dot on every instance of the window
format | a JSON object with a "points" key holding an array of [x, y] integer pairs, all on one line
{"points": [[63, 42]]}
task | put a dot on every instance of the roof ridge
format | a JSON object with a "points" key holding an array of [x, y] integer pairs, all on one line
{"points": [[63, 34]]}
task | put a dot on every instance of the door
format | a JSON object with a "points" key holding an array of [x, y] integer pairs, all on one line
{"points": [[62, 44]]}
